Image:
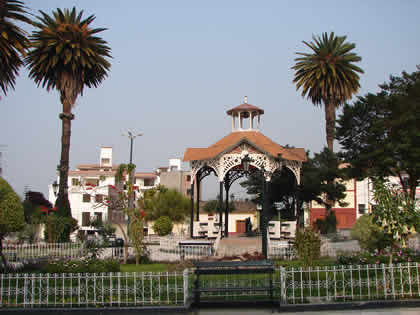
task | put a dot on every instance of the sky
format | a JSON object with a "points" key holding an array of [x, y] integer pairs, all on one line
{"points": [[178, 66]]}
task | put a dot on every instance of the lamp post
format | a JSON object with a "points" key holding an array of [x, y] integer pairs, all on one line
{"points": [[131, 136], [55, 188]]}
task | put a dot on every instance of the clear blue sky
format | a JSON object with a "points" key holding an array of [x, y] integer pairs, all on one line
{"points": [[179, 65]]}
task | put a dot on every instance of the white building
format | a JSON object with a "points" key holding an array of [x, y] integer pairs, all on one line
{"points": [[89, 186]]}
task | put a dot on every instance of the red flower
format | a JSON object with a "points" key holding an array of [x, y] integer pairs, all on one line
{"points": [[112, 186], [89, 188], [142, 214], [54, 209], [135, 187]]}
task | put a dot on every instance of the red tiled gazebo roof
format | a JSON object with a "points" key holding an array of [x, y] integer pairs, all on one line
{"points": [[254, 138]]}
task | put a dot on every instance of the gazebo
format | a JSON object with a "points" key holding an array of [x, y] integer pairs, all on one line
{"points": [[243, 150]]}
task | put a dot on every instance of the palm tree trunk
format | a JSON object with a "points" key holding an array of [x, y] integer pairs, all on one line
{"points": [[62, 202], [330, 124]]}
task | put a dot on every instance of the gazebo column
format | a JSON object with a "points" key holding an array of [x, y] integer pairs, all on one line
{"points": [[258, 123], [250, 120], [198, 199], [221, 207], [192, 211], [264, 213], [227, 208]]}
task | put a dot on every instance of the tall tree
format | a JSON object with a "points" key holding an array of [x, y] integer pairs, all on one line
{"points": [[380, 133], [66, 55], [328, 75], [11, 214], [321, 177], [13, 42]]}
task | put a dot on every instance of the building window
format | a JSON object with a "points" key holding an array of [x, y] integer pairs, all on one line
{"points": [[86, 198], [98, 216], [362, 209], [75, 182], [149, 182], [105, 161], [99, 198], [85, 219], [188, 178], [92, 182], [189, 191]]}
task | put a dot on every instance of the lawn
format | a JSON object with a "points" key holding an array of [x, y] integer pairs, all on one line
{"points": [[145, 268]]}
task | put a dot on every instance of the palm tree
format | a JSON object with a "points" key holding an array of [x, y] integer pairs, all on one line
{"points": [[66, 55], [13, 42], [328, 75]]}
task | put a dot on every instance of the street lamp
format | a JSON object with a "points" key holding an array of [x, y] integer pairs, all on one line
{"points": [[55, 188], [131, 136]]}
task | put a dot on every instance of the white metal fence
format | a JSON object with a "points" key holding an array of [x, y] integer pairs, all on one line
{"points": [[93, 290], [21, 252], [332, 284], [348, 283]]}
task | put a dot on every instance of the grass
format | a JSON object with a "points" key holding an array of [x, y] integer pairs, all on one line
{"points": [[145, 268]]}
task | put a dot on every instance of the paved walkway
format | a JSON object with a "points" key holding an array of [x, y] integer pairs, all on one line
{"points": [[238, 245]]}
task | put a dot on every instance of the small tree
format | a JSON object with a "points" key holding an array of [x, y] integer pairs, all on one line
{"points": [[395, 212], [11, 214], [370, 235], [163, 226], [307, 245]]}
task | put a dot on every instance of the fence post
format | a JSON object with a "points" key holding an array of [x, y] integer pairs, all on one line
{"points": [[283, 298], [185, 278]]}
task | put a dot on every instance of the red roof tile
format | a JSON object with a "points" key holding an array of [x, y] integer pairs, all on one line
{"points": [[234, 139]]}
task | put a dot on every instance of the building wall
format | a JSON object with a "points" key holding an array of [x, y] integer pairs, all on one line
{"points": [[346, 215]]}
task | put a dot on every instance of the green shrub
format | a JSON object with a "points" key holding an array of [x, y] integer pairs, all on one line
{"points": [[82, 266], [369, 234], [403, 255], [307, 245], [327, 225], [163, 226]]}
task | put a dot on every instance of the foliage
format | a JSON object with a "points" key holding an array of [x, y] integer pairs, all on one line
{"points": [[327, 225], [93, 248], [122, 200], [66, 55], [307, 245], [163, 226], [403, 255], [11, 214], [57, 227], [394, 212], [212, 206], [105, 229], [13, 41], [328, 75], [91, 265], [29, 234], [31, 205], [370, 235], [321, 176], [161, 201], [380, 133]]}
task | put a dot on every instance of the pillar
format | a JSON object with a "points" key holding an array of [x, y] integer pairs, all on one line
{"points": [[264, 220], [192, 211], [221, 206], [227, 211], [198, 199]]}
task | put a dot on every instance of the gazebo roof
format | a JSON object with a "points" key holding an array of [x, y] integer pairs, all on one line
{"points": [[254, 138], [245, 108]]}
